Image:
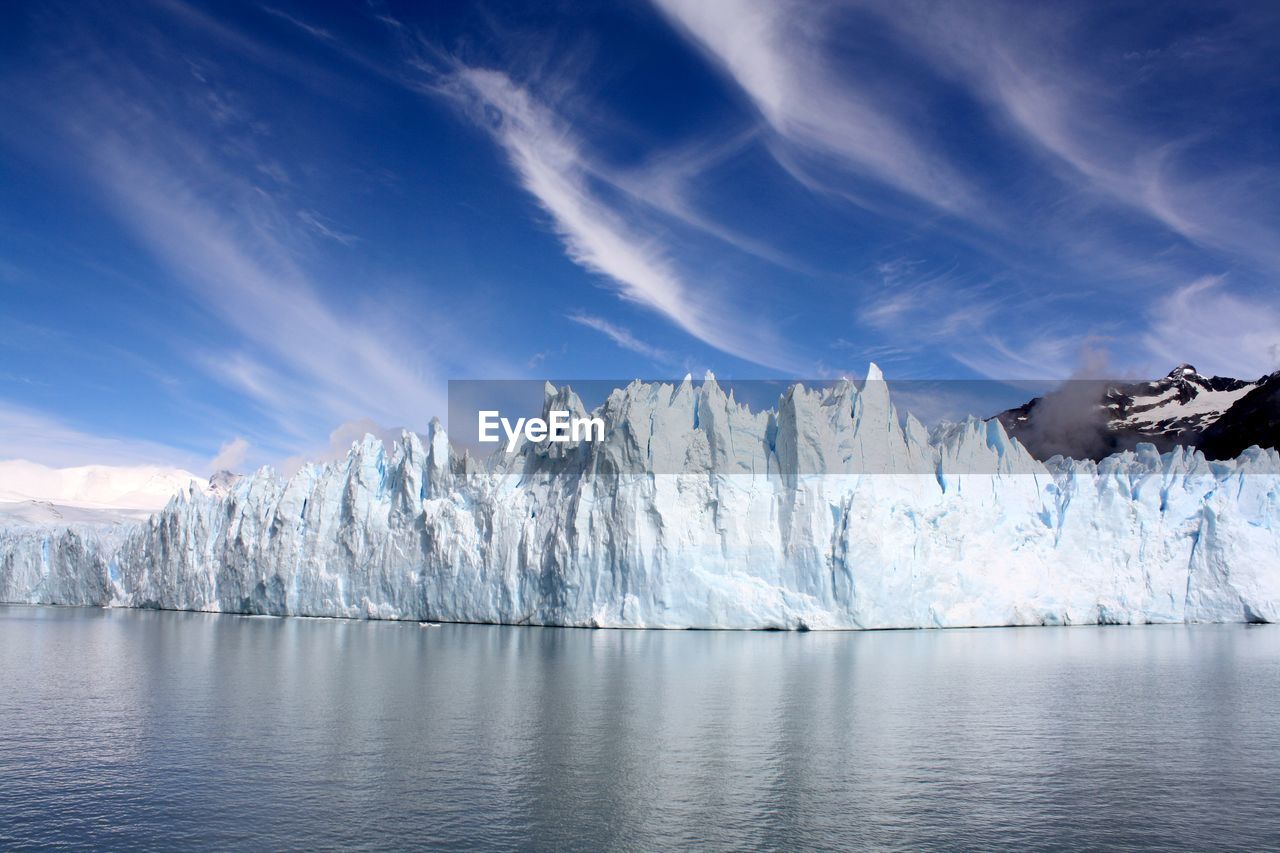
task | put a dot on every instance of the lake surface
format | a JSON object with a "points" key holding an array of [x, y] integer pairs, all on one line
{"points": [[132, 728]]}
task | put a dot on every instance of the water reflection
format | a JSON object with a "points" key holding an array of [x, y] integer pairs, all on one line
{"points": [[124, 727]]}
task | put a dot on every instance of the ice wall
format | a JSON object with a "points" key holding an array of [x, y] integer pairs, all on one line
{"points": [[827, 512]]}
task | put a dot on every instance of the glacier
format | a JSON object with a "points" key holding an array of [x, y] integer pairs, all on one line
{"points": [[826, 512]]}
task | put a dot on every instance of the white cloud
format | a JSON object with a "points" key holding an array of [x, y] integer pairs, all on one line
{"points": [[1218, 331], [1026, 65], [621, 336], [347, 362], [774, 51], [667, 181], [326, 229], [37, 437], [303, 351], [309, 29], [231, 455], [551, 166], [181, 167], [1023, 62], [1022, 356]]}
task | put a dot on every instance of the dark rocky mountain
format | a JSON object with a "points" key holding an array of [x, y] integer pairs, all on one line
{"points": [[1095, 418], [1254, 419]]}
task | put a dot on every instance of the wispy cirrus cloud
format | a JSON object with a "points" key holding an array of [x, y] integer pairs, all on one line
{"points": [[667, 181], [1023, 64], [621, 336], [188, 177], [1010, 355], [1026, 64], [347, 365], [325, 228], [1218, 331], [310, 29], [553, 167], [234, 165], [41, 438], [775, 52], [1048, 88]]}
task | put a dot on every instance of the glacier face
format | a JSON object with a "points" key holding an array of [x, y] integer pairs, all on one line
{"points": [[826, 513]]}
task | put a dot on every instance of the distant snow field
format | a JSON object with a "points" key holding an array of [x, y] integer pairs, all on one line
{"points": [[37, 494]]}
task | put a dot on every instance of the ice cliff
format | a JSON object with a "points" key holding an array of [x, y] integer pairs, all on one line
{"points": [[826, 512]]}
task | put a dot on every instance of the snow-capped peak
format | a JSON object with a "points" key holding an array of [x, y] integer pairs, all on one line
{"points": [[1177, 409], [1183, 400]]}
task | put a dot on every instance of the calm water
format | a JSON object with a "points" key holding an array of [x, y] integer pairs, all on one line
{"points": [[132, 728]]}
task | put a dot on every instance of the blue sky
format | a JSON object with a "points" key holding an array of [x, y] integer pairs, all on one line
{"points": [[244, 233]]}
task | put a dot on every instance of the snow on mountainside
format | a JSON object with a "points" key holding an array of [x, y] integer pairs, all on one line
{"points": [[1093, 419], [47, 513], [828, 511], [1184, 400], [33, 494], [142, 488]]}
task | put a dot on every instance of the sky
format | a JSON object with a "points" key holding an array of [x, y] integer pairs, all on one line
{"points": [[240, 233]]}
